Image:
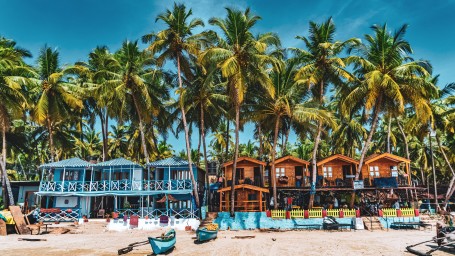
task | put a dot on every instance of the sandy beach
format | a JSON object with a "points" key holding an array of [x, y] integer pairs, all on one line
{"points": [[93, 239]]}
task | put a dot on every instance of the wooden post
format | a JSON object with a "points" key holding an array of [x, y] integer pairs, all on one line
{"points": [[221, 200], [260, 201], [63, 179], [409, 174], [369, 173]]}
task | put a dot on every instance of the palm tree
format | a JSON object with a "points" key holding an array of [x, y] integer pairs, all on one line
{"points": [[321, 66], [130, 87], [57, 97], [388, 81], [175, 43], [242, 59], [13, 76], [286, 103]]}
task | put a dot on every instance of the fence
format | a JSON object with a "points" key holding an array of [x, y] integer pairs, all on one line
{"points": [[278, 214], [312, 213], [407, 212], [389, 212], [349, 213], [58, 215], [298, 214], [333, 212]]}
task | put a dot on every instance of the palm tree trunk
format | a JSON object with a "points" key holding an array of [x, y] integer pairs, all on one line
{"points": [[199, 147], [314, 165], [51, 139], [434, 172], [367, 144], [5, 175], [273, 171], [452, 181], [261, 147], [204, 148], [236, 151], [405, 140], [103, 133], [141, 130], [388, 134], [315, 150], [227, 138], [155, 140], [285, 149], [187, 137]]}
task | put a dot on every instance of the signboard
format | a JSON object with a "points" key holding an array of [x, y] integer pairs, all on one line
{"points": [[350, 176], [358, 184]]}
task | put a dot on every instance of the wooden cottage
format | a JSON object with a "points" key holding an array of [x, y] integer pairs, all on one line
{"points": [[291, 172], [386, 170], [248, 171], [248, 198], [337, 170]]}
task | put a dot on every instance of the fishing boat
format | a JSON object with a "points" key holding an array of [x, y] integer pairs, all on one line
{"points": [[164, 243], [203, 234]]}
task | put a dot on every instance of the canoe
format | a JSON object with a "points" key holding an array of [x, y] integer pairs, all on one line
{"points": [[203, 234], [162, 244]]}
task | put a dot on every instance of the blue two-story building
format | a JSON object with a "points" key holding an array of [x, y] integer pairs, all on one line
{"points": [[75, 188]]}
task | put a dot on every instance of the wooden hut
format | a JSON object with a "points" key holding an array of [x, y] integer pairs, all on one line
{"points": [[249, 171], [379, 167], [337, 170], [248, 198], [291, 172]]}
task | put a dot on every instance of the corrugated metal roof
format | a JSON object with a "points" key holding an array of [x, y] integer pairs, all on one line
{"points": [[74, 162], [171, 161], [118, 162]]}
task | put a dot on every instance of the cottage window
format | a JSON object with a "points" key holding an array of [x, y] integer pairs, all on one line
{"points": [[279, 172], [374, 171], [327, 172], [240, 174]]}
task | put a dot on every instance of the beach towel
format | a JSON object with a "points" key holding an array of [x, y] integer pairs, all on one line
{"points": [[7, 217]]}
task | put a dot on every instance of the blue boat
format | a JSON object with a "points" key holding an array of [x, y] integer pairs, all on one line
{"points": [[203, 234], [162, 244]]}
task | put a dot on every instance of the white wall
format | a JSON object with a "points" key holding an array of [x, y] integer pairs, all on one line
{"points": [[65, 201]]}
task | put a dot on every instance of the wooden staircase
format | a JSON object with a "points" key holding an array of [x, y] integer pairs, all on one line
{"points": [[211, 216], [372, 223]]}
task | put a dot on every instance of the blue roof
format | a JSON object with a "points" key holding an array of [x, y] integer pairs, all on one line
{"points": [[118, 162], [74, 162], [171, 161]]}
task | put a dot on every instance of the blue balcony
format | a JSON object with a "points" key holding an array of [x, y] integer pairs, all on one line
{"points": [[117, 186]]}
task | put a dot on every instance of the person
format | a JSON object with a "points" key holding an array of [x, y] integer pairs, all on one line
{"points": [[396, 205], [335, 203], [221, 181]]}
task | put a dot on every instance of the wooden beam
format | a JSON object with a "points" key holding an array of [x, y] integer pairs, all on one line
{"points": [[409, 174], [260, 201]]}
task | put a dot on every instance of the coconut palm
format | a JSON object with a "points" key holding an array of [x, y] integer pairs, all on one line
{"points": [[286, 102], [242, 59], [57, 97], [130, 84], [14, 76], [175, 43], [321, 66], [389, 80]]}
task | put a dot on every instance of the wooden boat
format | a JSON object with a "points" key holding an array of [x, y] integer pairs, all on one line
{"points": [[203, 234], [162, 244]]}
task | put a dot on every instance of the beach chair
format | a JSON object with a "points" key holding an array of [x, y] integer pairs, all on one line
{"points": [[164, 220], [100, 213]]}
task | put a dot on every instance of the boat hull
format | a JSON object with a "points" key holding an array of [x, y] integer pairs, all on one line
{"points": [[161, 245], [203, 234]]}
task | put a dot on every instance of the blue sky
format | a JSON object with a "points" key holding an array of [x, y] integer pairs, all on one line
{"points": [[77, 27]]}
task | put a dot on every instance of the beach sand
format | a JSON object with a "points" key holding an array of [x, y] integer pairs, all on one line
{"points": [[92, 238]]}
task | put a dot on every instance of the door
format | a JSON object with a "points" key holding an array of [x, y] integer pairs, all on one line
{"points": [[257, 176]]}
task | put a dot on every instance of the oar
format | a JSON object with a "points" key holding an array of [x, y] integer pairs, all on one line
{"points": [[130, 247]]}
